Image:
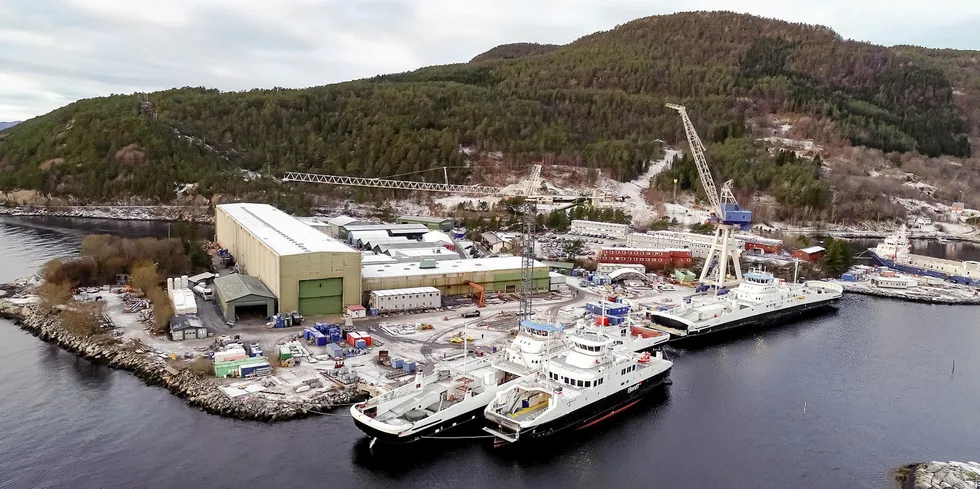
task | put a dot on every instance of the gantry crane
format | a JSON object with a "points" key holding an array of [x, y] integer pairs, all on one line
{"points": [[726, 213], [529, 210]]}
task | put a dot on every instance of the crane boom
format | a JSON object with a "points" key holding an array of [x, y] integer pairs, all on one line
{"points": [[697, 151], [395, 184]]}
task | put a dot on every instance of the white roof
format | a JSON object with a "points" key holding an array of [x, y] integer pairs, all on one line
{"points": [[367, 235], [435, 237], [438, 250], [281, 232], [813, 249], [341, 220], [445, 266], [369, 258], [414, 290], [602, 223], [655, 250], [751, 238]]}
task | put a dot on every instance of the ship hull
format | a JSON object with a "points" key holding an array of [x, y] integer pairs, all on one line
{"points": [[764, 320], [590, 415], [466, 423], [914, 270]]}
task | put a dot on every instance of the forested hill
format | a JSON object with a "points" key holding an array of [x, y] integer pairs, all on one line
{"points": [[597, 102]]}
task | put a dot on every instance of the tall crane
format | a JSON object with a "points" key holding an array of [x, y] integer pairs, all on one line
{"points": [[528, 209], [725, 213]]}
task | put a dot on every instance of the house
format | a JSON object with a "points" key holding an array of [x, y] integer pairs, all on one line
{"points": [[812, 254], [187, 327], [495, 243], [356, 311]]}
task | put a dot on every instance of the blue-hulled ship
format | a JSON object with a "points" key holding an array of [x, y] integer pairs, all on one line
{"points": [[896, 252]]}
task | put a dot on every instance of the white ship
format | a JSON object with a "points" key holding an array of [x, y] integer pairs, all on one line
{"points": [[592, 382], [760, 299], [447, 401], [896, 252]]}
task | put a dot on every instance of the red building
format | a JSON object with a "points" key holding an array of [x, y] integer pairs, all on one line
{"points": [[653, 259], [758, 244], [812, 254]]}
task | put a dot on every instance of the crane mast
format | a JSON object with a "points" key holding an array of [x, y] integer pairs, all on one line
{"points": [[529, 210], [725, 213]]}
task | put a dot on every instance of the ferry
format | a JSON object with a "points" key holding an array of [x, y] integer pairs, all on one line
{"points": [[592, 382], [896, 252], [445, 403], [759, 300]]}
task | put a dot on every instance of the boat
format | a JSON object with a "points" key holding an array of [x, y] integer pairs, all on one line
{"points": [[759, 300], [593, 381], [445, 402], [896, 252]]}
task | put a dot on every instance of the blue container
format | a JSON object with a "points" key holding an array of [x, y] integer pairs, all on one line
{"points": [[397, 363], [280, 322], [847, 277], [307, 334], [321, 341], [408, 367], [362, 344], [373, 311]]}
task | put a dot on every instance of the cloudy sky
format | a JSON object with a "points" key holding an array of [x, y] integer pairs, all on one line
{"points": [[53, 52]]}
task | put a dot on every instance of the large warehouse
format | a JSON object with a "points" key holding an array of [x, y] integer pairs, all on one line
{"points": [[501, 274], [305, 269]]}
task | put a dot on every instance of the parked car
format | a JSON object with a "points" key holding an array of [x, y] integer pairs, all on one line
{"points": [[471, 314]]}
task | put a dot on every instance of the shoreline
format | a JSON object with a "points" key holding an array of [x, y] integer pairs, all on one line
{"points": [[172, 213], [863, 289], [199, 392]]}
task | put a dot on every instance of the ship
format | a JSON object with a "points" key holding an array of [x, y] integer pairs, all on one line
{"points": [[760, 300], [450, 401], [896, 252], [592, 382]]}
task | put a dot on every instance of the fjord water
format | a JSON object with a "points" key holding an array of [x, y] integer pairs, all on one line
{"points": [[875, 376]]}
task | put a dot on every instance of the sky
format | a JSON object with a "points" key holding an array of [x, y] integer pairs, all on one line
{"points": [[53, 52]]}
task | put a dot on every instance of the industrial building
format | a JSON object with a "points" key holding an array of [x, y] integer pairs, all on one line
{"points": [[337, 225], [699, 244], [239, 295], [452, 277], [812, 254], [658, 259], [187, 327], [415, 255], [304, 269], [760, 245], [607, 268], [413, 299], [597, 228], [433, 223], [352, 232]]}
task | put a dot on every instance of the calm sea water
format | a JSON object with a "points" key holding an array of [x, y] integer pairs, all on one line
{"points": [[875, 376]]}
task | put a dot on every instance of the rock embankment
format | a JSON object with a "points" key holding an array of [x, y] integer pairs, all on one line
{"points": [[198, 391], [941, 475]]}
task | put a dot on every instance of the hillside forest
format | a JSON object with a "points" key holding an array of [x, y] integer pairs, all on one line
{"points": [[597, 102]]}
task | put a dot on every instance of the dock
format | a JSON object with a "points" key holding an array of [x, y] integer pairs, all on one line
{"points": [[931, 294]]}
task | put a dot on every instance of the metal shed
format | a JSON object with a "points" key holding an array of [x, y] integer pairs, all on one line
{"points": [[187, 327], [236, 291]]}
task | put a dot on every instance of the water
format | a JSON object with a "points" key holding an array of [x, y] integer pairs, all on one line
{"points": [[875, 377]]}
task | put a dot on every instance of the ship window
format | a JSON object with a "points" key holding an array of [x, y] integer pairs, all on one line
{"points": [[579, 383], [588, 383]]}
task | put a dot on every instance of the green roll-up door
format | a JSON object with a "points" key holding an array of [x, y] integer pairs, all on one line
{"points": [[323, 296]]}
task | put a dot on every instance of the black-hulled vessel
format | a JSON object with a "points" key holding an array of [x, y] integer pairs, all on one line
{"points": [[592, 382]]}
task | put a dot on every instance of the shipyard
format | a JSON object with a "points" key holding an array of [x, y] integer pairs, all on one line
{"points": [[429, 324]]}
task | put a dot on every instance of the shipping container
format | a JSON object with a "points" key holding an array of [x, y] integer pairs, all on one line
{"points": [[365, 336], [408, 367], [360, 343], [394, 300], [352, 338], [397, 363], [335, 350]]}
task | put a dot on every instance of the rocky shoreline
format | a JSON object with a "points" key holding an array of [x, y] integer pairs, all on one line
{"points": [[939, 475], [199, 392], [121, 213]]}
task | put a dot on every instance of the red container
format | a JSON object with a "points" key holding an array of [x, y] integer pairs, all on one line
{"points": [[366, 338], [602, 320], [611, 298], [352, 338]]}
